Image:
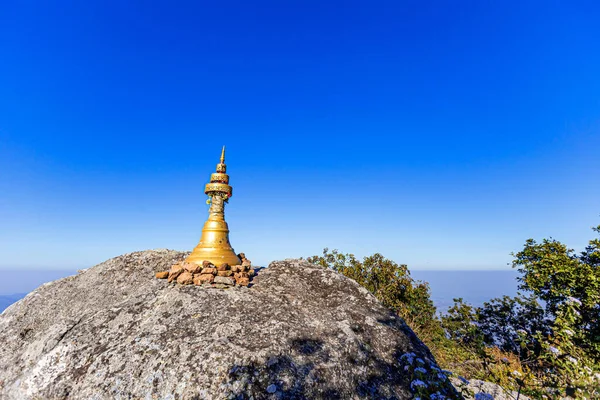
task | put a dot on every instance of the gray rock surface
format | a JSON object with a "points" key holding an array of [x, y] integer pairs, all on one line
{"points": [[476, 386], [113, 331]]}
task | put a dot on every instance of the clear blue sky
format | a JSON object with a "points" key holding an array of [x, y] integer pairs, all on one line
{"points": [[441, 134]]}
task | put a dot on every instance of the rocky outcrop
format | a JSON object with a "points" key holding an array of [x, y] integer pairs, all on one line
{"points": [[113, 331]]}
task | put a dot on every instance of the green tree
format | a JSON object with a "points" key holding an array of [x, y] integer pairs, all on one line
{"points": [[555, 274], [502, 320], [461, 325]]}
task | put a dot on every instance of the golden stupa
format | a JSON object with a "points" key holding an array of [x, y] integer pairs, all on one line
{"points": [[214, 244]]}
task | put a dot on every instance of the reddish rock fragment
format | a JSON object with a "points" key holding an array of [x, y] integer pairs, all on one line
{"points": [[206, 278], [242, 275], [223, 267], [162, 275], [175, 271], [185, 278], [209, 271], [242, 281], [192, 268]]}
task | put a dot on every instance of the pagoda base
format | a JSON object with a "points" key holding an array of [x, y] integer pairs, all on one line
{"points": [[215, 255], [214, 245]]}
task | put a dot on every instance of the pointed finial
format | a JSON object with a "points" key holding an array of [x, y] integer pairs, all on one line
{"points": [[223, 155]]}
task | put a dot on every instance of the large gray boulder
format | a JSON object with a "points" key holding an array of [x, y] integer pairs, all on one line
{"points": [[113, 331]]}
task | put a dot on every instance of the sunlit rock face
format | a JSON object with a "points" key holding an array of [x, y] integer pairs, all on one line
{"points": [[114, 331]]}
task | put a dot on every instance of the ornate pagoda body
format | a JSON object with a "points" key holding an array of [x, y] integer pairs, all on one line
{"points": [[214, 244]]}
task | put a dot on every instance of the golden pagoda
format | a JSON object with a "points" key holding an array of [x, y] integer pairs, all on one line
{"points": [[214, 244]]}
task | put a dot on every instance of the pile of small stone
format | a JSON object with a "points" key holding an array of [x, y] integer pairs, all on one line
{"points": [[207, 274]]}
